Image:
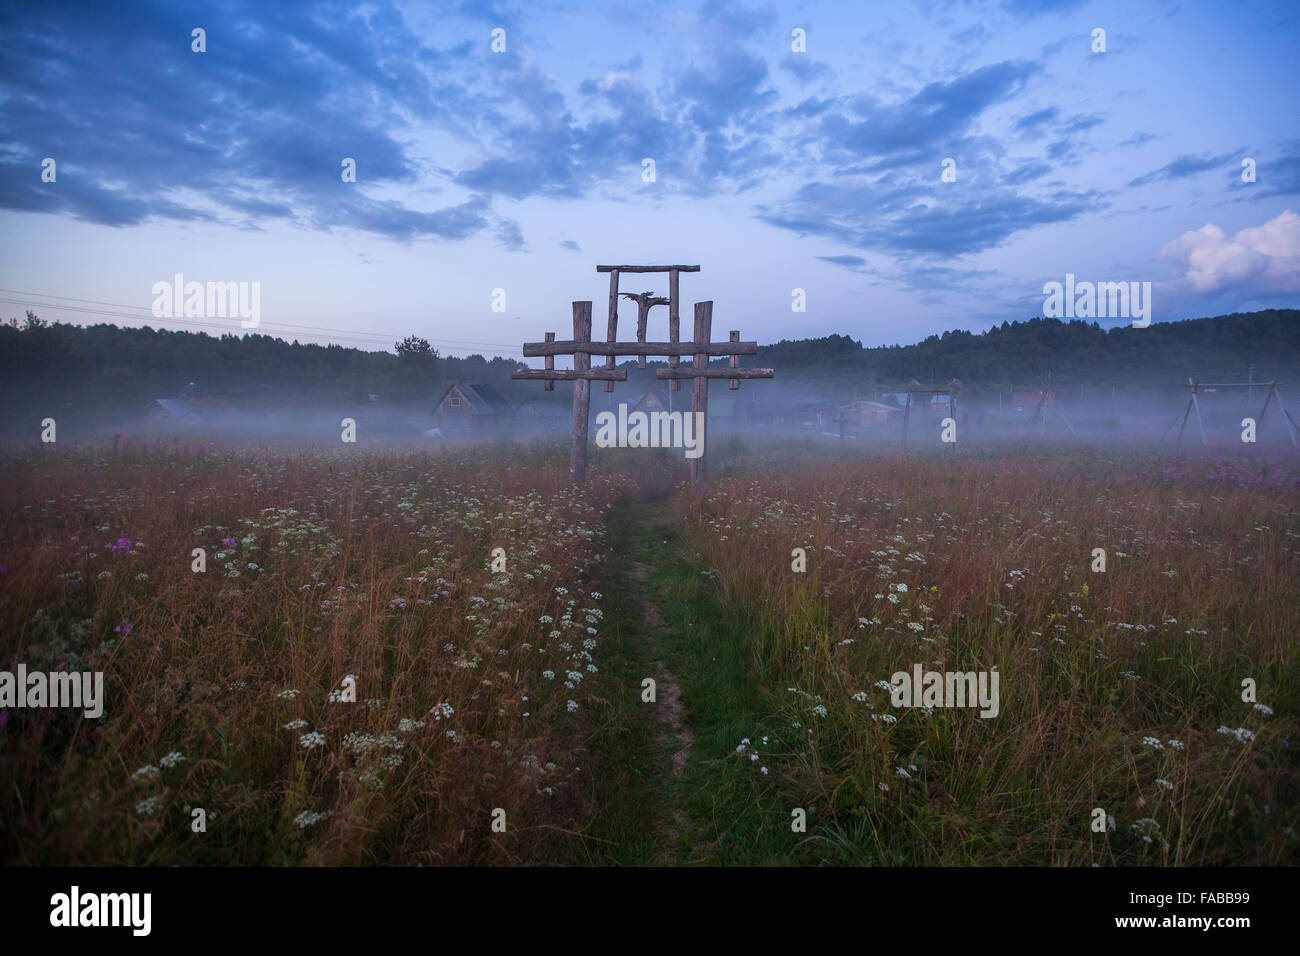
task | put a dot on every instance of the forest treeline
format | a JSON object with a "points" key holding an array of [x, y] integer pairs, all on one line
{"points": [[56, 365]]}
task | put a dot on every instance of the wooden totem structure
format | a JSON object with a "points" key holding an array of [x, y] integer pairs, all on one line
{"points": [[582, 348]]}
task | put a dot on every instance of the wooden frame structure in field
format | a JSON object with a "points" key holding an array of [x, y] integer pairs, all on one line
{"points": [[915, 388], [1040, 412], [582, 348], [1195, 386]]}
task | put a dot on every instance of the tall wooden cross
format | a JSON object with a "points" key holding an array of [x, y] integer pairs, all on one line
{"points": [[581, 347]]}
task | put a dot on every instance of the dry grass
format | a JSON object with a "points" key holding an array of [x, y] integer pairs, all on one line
{"points": [[374, 565]]}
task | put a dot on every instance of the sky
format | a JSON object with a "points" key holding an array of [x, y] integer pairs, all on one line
{"points": [[909, 167]]}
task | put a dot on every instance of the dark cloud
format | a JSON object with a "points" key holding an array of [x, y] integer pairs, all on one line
{"points": [[1182, 167], [937, 114], [258, 125], [848, 262]]}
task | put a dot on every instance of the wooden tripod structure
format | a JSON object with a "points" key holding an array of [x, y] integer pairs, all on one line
{"points": [[582, 348], [1195, 386], [915, 388], [1040, 413]]}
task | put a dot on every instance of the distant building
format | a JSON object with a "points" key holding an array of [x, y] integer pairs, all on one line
{"points": [[542, 416], [864, 414], [173, 411], [472, 410], [1026, 403], [651, 402], [186, 411]]}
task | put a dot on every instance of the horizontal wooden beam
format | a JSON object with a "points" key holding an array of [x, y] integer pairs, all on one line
{"points": [[1263, 383], [550, 375], [534, 349], [647, 268], [687, 372]]}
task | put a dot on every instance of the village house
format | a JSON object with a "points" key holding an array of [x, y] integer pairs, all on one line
{"points": [[864, 413], [538, 415], [472, 410], [185, 411]]}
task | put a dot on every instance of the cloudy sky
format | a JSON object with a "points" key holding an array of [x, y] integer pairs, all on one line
{"points": [[520, 168]]}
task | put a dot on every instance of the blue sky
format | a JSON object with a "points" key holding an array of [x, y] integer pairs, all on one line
{"points": [[521, 170]]}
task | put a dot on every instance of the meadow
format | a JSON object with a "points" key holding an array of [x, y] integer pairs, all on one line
{"points": [[351, 676]]}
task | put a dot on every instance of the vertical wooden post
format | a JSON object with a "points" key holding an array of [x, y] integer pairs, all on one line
{"points": [[642, 320], [674, 326], [700, 391], [613, 321], [581, 392], [1199, 424], [1186, 413], [548, 385], [907, 414], [735, 363], [952, 413], [1291, 425]]}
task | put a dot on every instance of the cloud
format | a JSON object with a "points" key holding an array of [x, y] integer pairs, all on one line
{"points": [[1182, 167], [571, 245], [253, 129], [848, 262], [1266, 258]]}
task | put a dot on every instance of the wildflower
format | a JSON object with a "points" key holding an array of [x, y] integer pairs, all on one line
{"points": [[899, 771], [441, 710], [819, 710], [1153, 743], [893, 598], [148, 770], [310, 818], [175, 758], [549, 675], [295, 724], [287, 694], [1164, 783], [123, 628], [123, 544], [146, 808], [1264, 709], [571, 706], [860, 695], [227, 542], [764, 769], [406, 725], [313, 739], [1175, 744]]}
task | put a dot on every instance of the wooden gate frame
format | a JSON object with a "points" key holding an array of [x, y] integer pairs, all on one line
{"points": [[582, 348], [915, 388], [1195, 386]]}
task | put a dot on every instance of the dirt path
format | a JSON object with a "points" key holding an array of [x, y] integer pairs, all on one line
{"points": [[670, 714]]}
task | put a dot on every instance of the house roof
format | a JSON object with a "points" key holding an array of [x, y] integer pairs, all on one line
{"points": [[867, 403], [176, 406], [544, 409], [481, 396]]}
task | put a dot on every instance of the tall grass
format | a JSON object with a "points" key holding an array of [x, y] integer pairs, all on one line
{"points": [[226, 688], [1120, 691]]}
